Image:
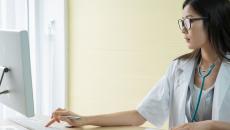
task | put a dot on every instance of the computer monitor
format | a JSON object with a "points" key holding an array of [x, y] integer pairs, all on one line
{"points": [[15, 70]]}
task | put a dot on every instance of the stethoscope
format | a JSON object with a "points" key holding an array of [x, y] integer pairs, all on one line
{"points": [[203, 77]]}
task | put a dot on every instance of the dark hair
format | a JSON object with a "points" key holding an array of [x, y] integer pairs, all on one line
{"points": [[217, 25]]}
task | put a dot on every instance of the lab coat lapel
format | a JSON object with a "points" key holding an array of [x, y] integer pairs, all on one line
{"points": [[181, 90], [221, 88]]}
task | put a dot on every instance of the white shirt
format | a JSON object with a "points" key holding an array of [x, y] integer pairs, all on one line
{"points": [[205, 107]]}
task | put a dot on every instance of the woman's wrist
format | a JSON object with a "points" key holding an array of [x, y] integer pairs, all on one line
{"points": [[92, 120], [86, 120]]}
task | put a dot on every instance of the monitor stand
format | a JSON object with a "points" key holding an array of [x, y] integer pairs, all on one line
{"points": [[3, 70]]}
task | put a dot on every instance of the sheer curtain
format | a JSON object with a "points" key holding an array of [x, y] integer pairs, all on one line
{"points": [[45, 20]]}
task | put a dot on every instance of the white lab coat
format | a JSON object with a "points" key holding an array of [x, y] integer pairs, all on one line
{"points": [[168, 97]]}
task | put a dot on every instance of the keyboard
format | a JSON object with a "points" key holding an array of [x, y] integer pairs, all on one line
{"points": [[10, 127], [33, 124]]}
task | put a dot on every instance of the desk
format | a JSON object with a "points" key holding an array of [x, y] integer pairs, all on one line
{"points": [[12, 126]]}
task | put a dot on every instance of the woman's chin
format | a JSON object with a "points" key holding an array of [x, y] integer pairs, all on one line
{"points": [[191, 47]]}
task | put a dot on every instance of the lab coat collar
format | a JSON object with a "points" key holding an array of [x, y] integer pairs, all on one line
{"points": [[186, 67], [222, 85], [185, 70]]}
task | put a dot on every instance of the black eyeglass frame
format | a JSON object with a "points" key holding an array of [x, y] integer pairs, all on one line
{"points": [[191, 20]]}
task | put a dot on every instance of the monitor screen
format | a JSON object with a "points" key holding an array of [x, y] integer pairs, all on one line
{"points": [[16, 87]]}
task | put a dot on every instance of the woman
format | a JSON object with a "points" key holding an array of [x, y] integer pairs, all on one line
{"points": [[195, 91]]}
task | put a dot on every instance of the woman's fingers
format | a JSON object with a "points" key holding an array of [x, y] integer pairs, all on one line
{"points": [[57, 114], [69, 121], [63, 115], [57, 119], [50, 122], [58, 109]]}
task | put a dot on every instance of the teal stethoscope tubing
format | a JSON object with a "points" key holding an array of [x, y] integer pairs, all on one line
{"points": [[203, 77]]}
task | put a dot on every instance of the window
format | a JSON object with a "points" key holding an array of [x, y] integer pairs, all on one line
{"points": [[45, 21]]}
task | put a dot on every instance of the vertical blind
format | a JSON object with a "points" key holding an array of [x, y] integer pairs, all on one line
{"points": [[46, 39]]}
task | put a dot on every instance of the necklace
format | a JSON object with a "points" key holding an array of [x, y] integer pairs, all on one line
{"points": [[205, 73]]}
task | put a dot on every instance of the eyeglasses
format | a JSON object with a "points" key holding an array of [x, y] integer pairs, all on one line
{"points": [[186, 23]]}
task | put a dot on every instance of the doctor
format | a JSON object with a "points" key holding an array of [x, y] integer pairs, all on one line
{"points": [[195, 91]]}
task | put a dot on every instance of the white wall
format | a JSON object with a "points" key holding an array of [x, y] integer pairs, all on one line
{"points": [[118, 50]]}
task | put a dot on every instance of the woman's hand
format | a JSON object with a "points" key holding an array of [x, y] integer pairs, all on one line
{"points": [[202, 125], [60, 115]]}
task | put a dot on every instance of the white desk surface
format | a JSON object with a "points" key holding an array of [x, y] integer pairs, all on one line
{"points": [[8, 125]]}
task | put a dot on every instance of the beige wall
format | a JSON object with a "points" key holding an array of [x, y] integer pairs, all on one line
{"points": [[118, 50]]}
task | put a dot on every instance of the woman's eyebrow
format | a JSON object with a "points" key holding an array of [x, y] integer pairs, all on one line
{"points": [[188, 16]]}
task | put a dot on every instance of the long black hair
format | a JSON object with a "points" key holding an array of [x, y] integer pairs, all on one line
{"points": [[217, 25]]}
